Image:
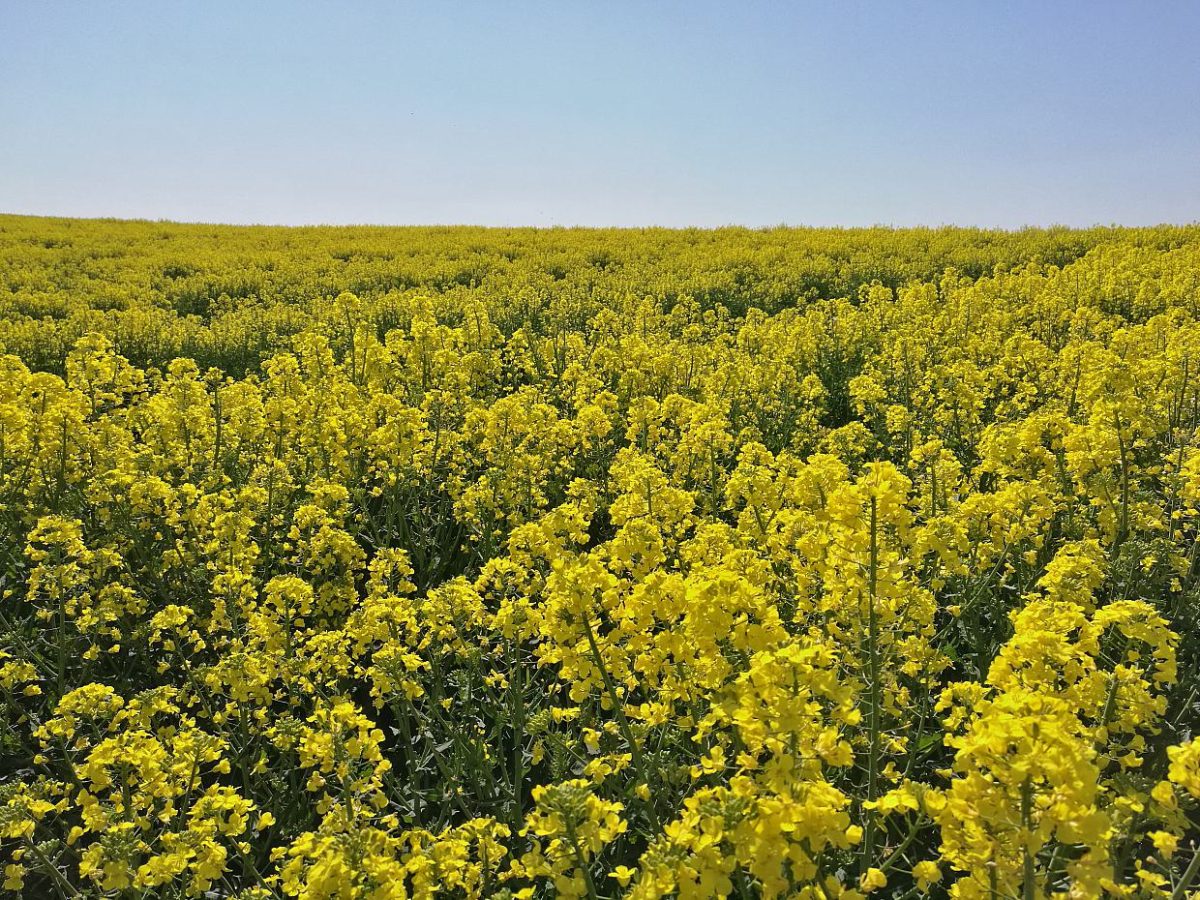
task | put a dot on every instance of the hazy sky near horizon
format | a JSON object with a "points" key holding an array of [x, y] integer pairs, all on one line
{"points": [[608, 113]]}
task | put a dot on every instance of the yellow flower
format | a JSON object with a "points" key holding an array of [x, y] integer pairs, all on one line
{"points": [[622, 874], [872, 880], [1164, 842], [926, 873], [14, 877]]}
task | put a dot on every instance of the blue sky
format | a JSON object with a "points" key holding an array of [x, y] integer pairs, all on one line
{"points": [[606, 113]]}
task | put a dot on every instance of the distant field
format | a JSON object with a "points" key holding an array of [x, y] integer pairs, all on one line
{"points": [[387, 562]]}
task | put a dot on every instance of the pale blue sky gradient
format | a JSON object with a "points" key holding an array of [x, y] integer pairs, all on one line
{"points": [[606, 113]]}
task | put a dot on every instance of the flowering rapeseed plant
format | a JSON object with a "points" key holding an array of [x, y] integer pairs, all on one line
{"points": [[453, 562]]}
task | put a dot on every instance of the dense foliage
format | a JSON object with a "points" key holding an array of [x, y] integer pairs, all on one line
{"points": [[378, 563]]}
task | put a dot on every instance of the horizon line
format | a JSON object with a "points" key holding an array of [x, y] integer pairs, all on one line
{"points": [[730, 226]]}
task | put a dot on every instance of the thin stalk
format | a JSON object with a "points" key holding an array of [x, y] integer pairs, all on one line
{"points": [[1028, 877], [62, 887], [518, 723], [581, 862], [1185, 879], [623, 723], [895, 855], [874, 698]]}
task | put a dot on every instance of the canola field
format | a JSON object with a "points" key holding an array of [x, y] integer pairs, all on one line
{"points": [[347, 563]]}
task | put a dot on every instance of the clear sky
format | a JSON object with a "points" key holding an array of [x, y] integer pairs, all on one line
{"points": [[603, 113]]}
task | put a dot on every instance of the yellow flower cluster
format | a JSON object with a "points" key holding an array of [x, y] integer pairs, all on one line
{"points": [[368, 564]]}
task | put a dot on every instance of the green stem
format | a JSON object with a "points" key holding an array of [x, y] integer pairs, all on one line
{"points": [[62, 887], [894, 856], [587, 876], [1028, 879], [518, 723], [874, 698], [1189, 873], [623, 723]]}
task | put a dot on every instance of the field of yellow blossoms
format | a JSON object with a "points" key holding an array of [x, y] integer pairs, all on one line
{"points": [[348, 563]]}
